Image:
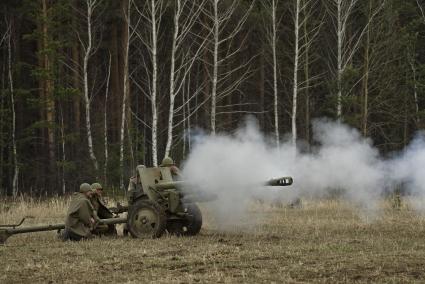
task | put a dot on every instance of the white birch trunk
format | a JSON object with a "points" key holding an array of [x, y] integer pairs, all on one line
{"points": [[215, 69], [295, 80], [154, 82], [105, 125], [63, 153], [184, 128], [347, 46], [2, 116], [340, 34], [172, 83], [15, 188], [125, 97], [275, 89], [88, 50], [222, 19], [415, 89]]}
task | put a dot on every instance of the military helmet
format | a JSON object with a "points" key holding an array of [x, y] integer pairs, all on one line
{"points": [[96, 186], [167, 162], [85, 187]]}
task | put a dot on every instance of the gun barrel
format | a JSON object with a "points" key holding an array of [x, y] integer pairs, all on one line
{"points": [[199, 196], [33, 229], [169, 185], [119, 209], [282, 181], [113, 221], [6, 233]]}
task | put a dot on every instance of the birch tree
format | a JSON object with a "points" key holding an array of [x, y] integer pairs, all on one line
{"points": [[105, 124], [373, 60], [63, 143], [304, 37], [88, 52], [152, 14], [347, 45], [272, 39], [3, 76], [222, 83], [366, 76], [15, 187], [311, 31], [125, 91], [186, 14], [412, 63], [295, 78]]}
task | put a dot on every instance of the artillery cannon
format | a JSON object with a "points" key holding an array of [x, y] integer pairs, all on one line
{"points": [[156, 203]]}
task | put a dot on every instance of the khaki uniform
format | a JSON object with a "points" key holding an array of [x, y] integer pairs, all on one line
{"points": [[95, 203], [102, 212], [78, 217], [132, 184], [175, 172]]}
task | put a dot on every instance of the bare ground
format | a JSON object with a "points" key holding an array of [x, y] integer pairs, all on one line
{"points": [[321, 242]]}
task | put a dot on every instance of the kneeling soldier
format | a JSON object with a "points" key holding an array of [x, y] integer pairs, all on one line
{"points": [[102, 212], [80, 218]]}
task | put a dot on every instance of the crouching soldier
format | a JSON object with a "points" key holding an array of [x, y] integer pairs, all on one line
{"points": [[102, 212], [175, 171], [80, 218]]}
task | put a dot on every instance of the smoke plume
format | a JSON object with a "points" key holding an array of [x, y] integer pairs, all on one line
{"points": [[341, 162], [407, 170]]}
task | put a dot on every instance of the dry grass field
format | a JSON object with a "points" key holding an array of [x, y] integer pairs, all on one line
{"points": [[321, 242]]}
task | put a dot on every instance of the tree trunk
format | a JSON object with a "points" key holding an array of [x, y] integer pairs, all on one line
{"points": [[87, 56], [340, 34], [275, 90], [366, 79], [15, 188], [262, 90], [415, 89], [105, 125], [295, 80], [63, 153], [172, 78], [307, 82], [154, 86], [48, 91], [116, 87], [126, 36], [3, 77], [76, 76], [215, 69]]}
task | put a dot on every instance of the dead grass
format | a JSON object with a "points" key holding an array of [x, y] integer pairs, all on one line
{"points": [[322, 242]]}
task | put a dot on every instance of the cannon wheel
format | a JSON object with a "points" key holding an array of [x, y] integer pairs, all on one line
{"points": [[189, 226], [146, 219]]}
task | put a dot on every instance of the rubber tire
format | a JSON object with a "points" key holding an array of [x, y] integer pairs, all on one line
{"points": [[189, 226], [195, 221], [159, 225]]}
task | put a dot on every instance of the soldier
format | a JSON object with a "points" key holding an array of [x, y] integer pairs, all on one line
{"points": [[134, 186], [102, 212], [168, 162], [134, 183], [97, 197], [80, 218]]}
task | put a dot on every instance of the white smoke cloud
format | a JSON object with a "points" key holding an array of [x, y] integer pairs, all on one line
{"points": [[408, 170], [234, 167]]}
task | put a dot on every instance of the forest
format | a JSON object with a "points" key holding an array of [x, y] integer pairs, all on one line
{"points": [[91, 88]]}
